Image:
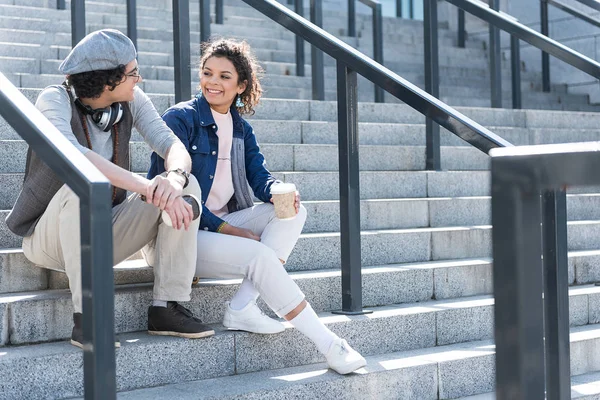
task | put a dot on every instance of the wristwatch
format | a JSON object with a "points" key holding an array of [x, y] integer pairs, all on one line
{"points": [[183, 173]]}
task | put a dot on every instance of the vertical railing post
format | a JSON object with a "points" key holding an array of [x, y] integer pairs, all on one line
{"points": [[97, 283], [461, 28], [411, 9], [432, 83], [545, 56], [515, 67], [399, 8], [181, 44], [219, 12], [61, 4], [204, 20], [317, 67], [299, 9], [132, 21], [378, 46], [556, 295], [352, 18], [77, 21], [347, 107], [517, 277], [495, 61]]}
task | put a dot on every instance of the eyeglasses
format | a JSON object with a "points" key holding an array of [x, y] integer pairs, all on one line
{"points": [[135, 74]]}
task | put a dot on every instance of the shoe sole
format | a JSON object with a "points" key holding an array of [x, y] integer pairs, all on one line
{"points": [[350, 368], [77, 344], [197, 335], [235, 328], [231, 327]]}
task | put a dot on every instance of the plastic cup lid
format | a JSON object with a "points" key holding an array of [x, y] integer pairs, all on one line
{"points": [[281, 188]]}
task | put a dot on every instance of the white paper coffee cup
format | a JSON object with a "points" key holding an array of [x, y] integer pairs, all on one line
{"points": [[284, 199]]}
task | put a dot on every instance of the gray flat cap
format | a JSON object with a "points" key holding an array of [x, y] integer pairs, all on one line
{"points": [[100, 50]]}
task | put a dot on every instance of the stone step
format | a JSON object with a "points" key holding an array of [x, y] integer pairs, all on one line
{"points": [[373, 133], [26, 313], [240, 25], [296, 157], [149, 55], [583, 387], [325, 185], [321, 250], [530, 100], [114, 15], [451, 278], [374, 185], [311, 110], [323, 216], [286, 86], [459, 370], [263, 47], [423, 376]]}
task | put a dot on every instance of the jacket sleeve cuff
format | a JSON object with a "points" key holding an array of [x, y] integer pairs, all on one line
{"points": [[209, 221]]}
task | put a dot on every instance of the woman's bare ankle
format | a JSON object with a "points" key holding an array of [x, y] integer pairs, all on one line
{"points": [[292, 314]]}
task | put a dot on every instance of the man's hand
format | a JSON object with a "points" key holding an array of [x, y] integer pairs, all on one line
{"points": [[162, 191], [241, 232], [165, 193], [181, 213]]}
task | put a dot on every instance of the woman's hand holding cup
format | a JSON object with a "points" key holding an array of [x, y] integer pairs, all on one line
{"points": [[286, 200]]}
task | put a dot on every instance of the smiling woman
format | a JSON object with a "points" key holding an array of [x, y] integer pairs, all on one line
{"points": [[238, 239], [219, 83]]}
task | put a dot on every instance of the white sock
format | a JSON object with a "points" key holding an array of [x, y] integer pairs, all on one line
{"points": [[245, 294], [311, 326], [159, 303]]}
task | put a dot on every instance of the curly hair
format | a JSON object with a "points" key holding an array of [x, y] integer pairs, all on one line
{"points": [[246, 66], [91, 84]]}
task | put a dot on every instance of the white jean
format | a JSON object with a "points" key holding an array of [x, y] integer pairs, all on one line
{"points": [[226, 256]]}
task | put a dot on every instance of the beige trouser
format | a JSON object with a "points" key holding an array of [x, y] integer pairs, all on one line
{"points": [[55, 243]]}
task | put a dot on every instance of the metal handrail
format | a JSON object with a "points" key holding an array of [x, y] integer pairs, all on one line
{"points": [[518, 31], [531, 280], [544, 25], [181, 45], [351, 62], [377, 39], [457, 123], [530, 36], [595, 4], [576, 13], [132, 21], [94, 192]]}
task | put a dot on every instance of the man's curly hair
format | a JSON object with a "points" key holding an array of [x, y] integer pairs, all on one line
{"points": [[244, 61], [90, 85]]}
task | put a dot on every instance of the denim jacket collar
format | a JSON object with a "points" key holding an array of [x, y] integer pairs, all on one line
{"points": [[206, 118]]}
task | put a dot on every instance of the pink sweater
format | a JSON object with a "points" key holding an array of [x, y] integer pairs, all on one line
{"points": [[222, 187]]}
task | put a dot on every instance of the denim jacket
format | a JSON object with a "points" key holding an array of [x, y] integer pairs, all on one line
{"points": [[193, 123]]}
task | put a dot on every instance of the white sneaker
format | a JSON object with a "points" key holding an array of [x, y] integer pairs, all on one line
{"points": [[343, 359], [251, 319]]}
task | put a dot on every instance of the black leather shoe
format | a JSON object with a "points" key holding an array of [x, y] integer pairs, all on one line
{"points": [[77, 333], [176, 320]]}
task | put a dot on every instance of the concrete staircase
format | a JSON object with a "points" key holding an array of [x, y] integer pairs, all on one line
{"points": [[426, 240]]}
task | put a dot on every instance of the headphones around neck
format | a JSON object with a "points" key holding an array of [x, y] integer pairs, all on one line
{"points": [[104, 118]]}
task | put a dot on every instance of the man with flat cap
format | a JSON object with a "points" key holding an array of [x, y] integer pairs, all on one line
{"points": [[96, 108]]}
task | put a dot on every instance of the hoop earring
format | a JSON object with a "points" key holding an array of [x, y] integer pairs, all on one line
{"points": [[238, 102]]}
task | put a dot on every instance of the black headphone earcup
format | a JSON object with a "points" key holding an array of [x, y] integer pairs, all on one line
{"points": [[116, 113], [108, 117]]}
